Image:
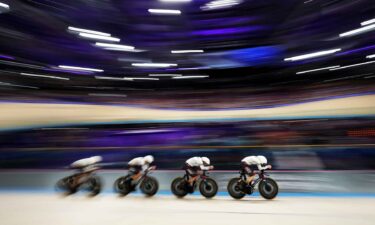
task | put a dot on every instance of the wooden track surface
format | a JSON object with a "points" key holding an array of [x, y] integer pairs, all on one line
{"points": [[15, 115], [40, 209]]}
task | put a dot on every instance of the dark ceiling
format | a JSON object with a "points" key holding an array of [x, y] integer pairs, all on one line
{"points": [[244, 44]]}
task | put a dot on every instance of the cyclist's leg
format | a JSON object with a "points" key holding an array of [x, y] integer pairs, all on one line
{"points": [[193, 175], [250, 174], [135, 172]]}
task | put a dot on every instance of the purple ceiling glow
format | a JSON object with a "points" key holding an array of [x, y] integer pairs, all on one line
{"points": [[356, 50], [6, 57], [241, 45], [228, 31]]}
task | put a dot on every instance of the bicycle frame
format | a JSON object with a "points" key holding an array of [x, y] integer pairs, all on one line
{"points": [[82, 177], [202, 176], [261, 175], [145, 174]]}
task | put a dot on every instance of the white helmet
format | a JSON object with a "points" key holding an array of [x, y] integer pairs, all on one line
{"points": [[206, 161], [262, 159], [148, 159], [96, 159]]}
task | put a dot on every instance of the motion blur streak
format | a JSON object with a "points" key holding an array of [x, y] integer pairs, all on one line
{"points": [[60, 114], [88, 31], [80, 68], [353, 65], [312, 55], [99, 37], [162, 65], [367, 22], [190, 77], [286, 83], [175, 1], [44, 76], [114, 46], [165, 11], [358, 31], [319, 69]]}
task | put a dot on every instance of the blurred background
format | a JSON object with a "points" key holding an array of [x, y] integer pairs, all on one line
{"points": [[292, 80]]}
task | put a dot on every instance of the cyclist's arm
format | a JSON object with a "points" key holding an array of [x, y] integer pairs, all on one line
{"points": [[260, 167], [206, 167]]}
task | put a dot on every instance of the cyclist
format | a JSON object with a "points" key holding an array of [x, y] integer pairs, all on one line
{"points": [[85, 167], [250, 162], [139, 165], [195, 166]]}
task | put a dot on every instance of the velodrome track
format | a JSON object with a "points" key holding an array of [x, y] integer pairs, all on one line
{"points": [[315, 197], [341, 182], [69, 114], [46, 209]]}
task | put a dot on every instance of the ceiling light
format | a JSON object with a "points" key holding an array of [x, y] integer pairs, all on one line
{"points": [[370, 56], [367, 22], [219, 4], [186, 51], [358, 31], [88, 31], [154, 64], [80, 68], [319, 69], [312, 55], [5, 6], [165, 11], [124, 50], [142, 78], [165, 75], [113, 78], [353, 65], [191, 77], [114, 46], [99, 37], [44, 76]]}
